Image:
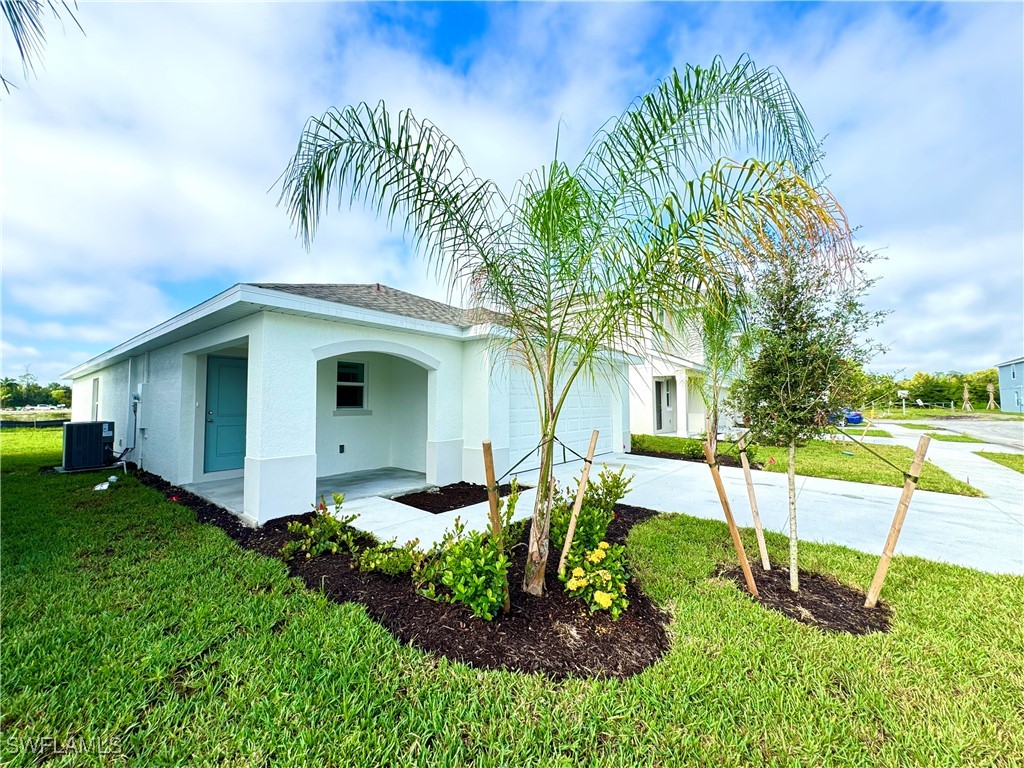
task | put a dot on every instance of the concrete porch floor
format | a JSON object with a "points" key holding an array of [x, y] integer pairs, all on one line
{"points": [[383, 482]]}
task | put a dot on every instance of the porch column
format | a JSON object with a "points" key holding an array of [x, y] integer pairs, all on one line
{"points": [[444, 425], [280, 434]]}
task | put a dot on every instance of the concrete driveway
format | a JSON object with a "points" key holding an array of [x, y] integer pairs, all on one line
{"points": [[999, 432], [986, 534]]}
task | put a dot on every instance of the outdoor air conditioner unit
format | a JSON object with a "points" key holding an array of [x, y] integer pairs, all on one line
{"points": [[88, 445]]}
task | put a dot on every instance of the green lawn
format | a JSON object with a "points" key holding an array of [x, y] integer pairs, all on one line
{"points": [[127, 624], [911, 425], [1011, 460], [949, 437], [978, 413], [858, 432], [825, 458]]}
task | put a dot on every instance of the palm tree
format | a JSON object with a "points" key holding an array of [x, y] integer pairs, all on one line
{"points": [[577, 260], [726, 345]]}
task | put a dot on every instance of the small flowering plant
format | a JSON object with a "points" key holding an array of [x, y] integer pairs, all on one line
{"points": [[598, 577]]}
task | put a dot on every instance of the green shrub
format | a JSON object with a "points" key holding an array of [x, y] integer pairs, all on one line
{"points": [[596, 512], [598, 577], [468, 567], [326, 532], [387, 558]]}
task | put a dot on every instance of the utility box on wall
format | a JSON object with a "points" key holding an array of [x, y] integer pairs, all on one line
{"points": [[88, 444]]}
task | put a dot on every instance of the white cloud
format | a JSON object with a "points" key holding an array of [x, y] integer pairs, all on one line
{"points": [[139, 161]]}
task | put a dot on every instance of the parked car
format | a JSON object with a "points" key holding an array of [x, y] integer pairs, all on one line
{"points": [[847, 417]]}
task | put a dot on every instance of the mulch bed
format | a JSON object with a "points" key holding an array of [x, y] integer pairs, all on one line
{"points": [[555, 635], [822, 601], [452, 496]]}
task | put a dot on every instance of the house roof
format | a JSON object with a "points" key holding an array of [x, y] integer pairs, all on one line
{"points": [[382, 298], [370, 305], [1010, 362]]}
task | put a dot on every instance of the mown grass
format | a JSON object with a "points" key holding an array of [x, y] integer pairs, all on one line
{"points": [[859, 432], [839, 460], [977, 413], [1011, 460], [823, 458], [949, 437], [127, 624], [911, 425]]}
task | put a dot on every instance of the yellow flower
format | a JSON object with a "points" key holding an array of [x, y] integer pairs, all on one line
{"points": [[603, 599], [622, 588], [596, 556], [573, 584], [579, 573], [603, 545]]}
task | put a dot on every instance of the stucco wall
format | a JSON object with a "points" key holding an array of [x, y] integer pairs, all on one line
{"points": [[393, 434]]}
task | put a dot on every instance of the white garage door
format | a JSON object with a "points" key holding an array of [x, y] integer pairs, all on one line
{"points": [[589, 406]]}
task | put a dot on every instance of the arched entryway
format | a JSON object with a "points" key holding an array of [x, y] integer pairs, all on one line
{"points": [[372, 417]]}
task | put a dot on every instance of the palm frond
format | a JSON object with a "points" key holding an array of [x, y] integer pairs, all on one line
{"points": [[401, 168], [24, 19]]}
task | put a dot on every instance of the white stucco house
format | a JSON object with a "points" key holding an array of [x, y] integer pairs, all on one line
{"points": [[665, 397], [274, 386]]}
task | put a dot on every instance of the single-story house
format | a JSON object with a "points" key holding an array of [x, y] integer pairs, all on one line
{"points": [[1011, 385], [272, 386]]}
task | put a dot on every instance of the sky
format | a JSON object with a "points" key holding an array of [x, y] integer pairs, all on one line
{"points": [[139, 163]]}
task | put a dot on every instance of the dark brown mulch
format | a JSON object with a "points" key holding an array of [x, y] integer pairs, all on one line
{"points": [[725, 461], [555, 635], [822, 601], [452, 496]]}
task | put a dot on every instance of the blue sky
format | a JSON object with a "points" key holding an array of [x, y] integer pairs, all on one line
{"points": [[138, 164]]}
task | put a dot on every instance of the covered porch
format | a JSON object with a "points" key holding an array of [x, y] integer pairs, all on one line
{"points": [[383, 482]]}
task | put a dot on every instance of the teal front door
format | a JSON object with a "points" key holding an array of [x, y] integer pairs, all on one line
{"points": [[225, 413]]}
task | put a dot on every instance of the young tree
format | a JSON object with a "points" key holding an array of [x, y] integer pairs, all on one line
{"points": [[808, 326], [576, 259]]}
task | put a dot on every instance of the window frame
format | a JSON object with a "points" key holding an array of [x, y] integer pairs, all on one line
{"points": [[352, 410]]}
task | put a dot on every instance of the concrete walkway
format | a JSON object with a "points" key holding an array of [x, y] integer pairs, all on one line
{"points": [[982, 533]]}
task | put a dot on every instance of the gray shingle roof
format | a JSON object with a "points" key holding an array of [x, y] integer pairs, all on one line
{"points": [[384, 299]]}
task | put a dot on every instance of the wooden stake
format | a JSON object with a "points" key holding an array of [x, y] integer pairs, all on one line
{"points": [[492, 507], [897, 522], [571, 532], [761, 546], [733, 531]]}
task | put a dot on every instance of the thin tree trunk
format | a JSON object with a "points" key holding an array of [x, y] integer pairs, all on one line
{"points": [[794, 578], [540, 538]]}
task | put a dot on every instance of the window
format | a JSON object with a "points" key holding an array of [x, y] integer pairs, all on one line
{"points": [[351, 385], [95, 399]]}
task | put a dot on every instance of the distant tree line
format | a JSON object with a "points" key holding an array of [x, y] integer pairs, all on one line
{"points": [[26, 390], [930, 388]]}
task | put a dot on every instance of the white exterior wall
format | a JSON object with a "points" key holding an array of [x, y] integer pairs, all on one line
{"points": [[433, 401], [393, 434]]}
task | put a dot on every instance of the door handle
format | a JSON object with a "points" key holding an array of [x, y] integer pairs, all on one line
{"points": [[209, 421]]}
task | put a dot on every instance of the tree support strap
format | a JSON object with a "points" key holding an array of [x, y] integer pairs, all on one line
{"points": [[876, 454]]}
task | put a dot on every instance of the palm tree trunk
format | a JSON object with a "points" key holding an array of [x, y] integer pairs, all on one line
{"points": [[794, 578], [540, 535]]}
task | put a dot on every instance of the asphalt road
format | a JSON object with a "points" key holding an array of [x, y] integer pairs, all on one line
{"points": [[998, 432]]}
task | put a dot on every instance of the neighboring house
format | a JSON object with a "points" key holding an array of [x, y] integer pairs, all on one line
{"points": [[277, 385], [1011, 381], [664, 390]]}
